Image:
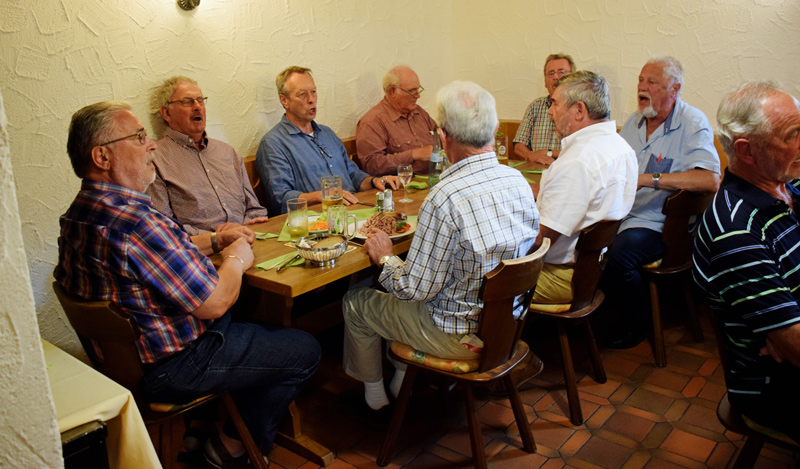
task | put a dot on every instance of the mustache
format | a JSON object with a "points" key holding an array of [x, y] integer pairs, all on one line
{"points": [[644, 94]]}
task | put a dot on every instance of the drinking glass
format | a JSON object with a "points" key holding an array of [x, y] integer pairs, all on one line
{"points": [[338, 221], [297, 220], [331, 191], [405, 172]]}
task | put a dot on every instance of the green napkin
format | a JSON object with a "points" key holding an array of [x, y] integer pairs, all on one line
{"points": [[514, 164], [418, 185], [276, 262], [530, 181], [420, 177], [284, 236], [262, 236], [532, 171], [362, 213]]}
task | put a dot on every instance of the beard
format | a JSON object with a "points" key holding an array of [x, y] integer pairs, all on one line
{"points": [[649, 112]]}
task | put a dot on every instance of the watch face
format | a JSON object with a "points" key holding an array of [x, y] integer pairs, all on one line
{"points": [[656, 175]]}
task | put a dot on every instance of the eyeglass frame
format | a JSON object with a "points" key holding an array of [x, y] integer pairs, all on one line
{"points": [[141, 134], [561, 72], [415, 93], [201, 101]]}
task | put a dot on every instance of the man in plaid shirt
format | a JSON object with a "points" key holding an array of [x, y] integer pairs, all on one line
{"points": [[536, 139]]}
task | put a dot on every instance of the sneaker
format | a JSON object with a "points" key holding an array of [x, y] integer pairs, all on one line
{"points": [[217, 456]]}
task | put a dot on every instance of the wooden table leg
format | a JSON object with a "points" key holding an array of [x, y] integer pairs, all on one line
{"points": [[291, 437]]}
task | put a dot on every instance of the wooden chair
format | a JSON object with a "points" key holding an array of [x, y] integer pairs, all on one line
{"points": [[502, 351], [586, 298], [255, 180], [680, 208], [101, 324]]}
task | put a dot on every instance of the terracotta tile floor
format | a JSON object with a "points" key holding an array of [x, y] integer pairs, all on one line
{"points": [[643, 417]]}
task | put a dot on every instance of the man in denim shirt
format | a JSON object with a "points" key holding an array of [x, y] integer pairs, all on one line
{"points": [[674, 144]]}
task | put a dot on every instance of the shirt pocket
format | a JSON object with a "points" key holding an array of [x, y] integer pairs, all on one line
{"points": [[658, 165]]}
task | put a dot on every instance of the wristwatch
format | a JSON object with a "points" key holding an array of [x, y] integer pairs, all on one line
{"points": [[383, 260], [550, 153], [656, 177]]}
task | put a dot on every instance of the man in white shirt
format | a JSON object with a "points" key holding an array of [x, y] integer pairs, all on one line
{"points": [[593, 179]]}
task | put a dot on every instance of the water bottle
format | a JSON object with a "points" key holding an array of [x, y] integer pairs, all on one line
{"points": [[437, 164]]}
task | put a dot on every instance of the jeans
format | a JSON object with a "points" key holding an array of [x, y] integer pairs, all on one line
{"points": [[263, 369], [627, 294]]}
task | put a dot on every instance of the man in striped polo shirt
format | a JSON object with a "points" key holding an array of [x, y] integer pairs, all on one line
{"points": [[747, 253]]}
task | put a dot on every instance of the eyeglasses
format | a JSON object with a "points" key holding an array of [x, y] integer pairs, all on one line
{"points": [[189, 102], [413, 93], [140, 134], [560, 72]]}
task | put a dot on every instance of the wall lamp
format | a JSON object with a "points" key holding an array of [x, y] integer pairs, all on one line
{"points": [[188, 4]]}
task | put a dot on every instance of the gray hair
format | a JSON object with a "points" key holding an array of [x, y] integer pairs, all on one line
{"points": [[588, 87], [89, 126], [741, 114], [161, 94], [392, 78], [280, 81], [559, 55], [673, 70], [467, 113]]}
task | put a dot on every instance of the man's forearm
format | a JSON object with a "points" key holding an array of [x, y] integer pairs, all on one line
{"points": [[225, 293], [695, 180]]}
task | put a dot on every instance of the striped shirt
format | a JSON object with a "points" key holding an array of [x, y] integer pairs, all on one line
{"points": [[201, 189], [115, 246], [537, 130], [747, 259], [479, 214]]}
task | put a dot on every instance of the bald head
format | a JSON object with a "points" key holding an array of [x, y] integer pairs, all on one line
{"points": [[401, 88]]}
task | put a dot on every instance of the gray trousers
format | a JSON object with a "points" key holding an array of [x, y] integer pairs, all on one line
{"points": [[370, 314]]}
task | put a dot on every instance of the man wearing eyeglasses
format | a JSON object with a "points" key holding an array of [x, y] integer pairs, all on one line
{"points": [[396, 131], [297, 152], [201, 182], [536, 138], [115, 246]]}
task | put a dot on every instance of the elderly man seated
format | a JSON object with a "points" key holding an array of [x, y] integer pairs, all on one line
{"points": [[479, 214], [746, 254], [115, 246], [593, 180], [297, 152], [396, 131], [201, 182]]}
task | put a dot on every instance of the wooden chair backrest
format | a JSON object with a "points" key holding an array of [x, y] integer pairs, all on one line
{"points": [[500, 288], [592, 243], [680, 208], [101, 324], [255, 179]]}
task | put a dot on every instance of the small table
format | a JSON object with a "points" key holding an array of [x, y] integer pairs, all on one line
{"points": [[81, 394]]}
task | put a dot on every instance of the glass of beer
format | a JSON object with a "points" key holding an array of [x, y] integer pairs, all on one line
{"points": [[297, 220], [331, 191]]}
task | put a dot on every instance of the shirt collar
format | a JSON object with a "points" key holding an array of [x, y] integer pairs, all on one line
{"points": [[136, 196], [676, 110], [752, 194], [393, 113], [185, 140], [292, 129]]}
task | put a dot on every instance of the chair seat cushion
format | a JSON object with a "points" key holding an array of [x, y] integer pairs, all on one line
{"points": [[653, 265], [551, 308], [168, 407], [449, 365]]}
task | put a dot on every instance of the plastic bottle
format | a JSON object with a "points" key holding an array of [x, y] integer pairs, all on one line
{"points": [[437, 164]]}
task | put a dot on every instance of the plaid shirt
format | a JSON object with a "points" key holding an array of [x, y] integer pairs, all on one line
{"points": [[201, 189], [479, 214], [115, 246], [537, 130]]}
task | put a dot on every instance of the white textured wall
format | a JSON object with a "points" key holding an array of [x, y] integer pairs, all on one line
{"points": [[28, 430], [57, 56]]}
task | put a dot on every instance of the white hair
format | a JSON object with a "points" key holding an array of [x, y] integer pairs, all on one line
{"points": [[741, 113], [673, 70], [467, 113]]}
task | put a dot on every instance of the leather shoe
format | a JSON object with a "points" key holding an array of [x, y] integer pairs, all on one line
{"points": [[625, 339]]}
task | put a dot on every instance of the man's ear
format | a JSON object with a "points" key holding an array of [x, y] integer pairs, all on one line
{"points": [[744, 151], [284, 100], [582, 112], [676, 87], [100, 158], [165, 114]]}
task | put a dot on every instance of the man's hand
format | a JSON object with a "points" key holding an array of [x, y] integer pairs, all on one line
{"points": [[422, 153], [256, 220], [391, 181], [539, 156], [784, 344], [349, 199], [378, 244], [226, 226], [228, 237], [241, 249]]}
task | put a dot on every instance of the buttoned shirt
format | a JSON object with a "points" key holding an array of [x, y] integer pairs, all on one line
{"points": [[115, 246], [385, 138], [201, 189], [684, 141], [480, 213], [593, 179], [537, 130], [291, 162], [746, 258]]}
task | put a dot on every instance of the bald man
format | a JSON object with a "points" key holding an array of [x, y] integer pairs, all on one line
{"points": [[396, 131]]}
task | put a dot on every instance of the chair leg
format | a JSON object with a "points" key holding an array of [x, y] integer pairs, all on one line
{"points": [[256, 457], [519, 414], [694, 324], [165, 446], [659, 350], [747, 458], [570, 382], [397, 418], [475, 437], [594, 353]]}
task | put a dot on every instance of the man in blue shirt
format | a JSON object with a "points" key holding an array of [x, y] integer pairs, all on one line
{"points": [[297, 152], [674, 144], [746, 254]]}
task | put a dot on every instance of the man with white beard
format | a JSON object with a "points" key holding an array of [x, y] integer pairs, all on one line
{"points": [[674, 145]]}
